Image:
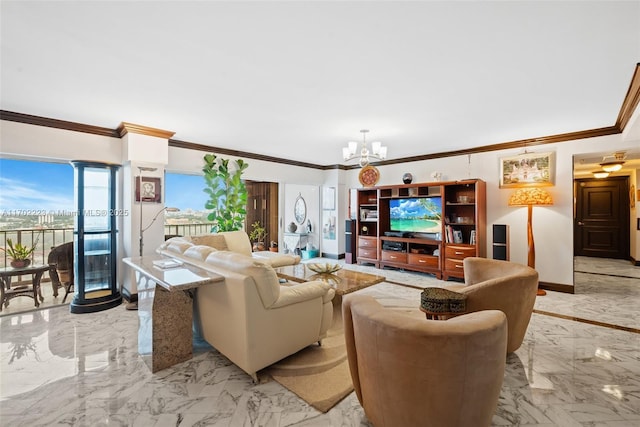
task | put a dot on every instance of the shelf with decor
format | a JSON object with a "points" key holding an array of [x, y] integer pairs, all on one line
{"points": [[464, 213], [428, 227], [367, 227]]}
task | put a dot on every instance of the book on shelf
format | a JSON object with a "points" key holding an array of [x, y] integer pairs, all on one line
{"points": [[368, 214], [449, 234]]}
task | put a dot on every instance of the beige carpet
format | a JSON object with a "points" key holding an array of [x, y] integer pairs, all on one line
{"points": [[319, 375]]}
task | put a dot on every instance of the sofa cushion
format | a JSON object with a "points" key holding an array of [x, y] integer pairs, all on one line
{"points": [[216, 241], [176, 245], [237, 241], [276, 259], [263, 274], [199, 252]]}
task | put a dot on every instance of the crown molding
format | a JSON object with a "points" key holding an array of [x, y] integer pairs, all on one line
{"points": [[57, 124], [629, 105], [125, 128], [631, 100], [244, 154]]}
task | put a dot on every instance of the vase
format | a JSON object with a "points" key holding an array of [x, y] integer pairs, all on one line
{"points": [[407, 178], [20, 263], [292, 227]]}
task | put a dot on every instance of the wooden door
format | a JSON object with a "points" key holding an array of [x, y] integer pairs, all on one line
{"points": [[602, 218], [262, 205]]}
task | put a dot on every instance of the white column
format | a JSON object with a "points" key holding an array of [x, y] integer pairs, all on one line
{"points": [[145, 154]]}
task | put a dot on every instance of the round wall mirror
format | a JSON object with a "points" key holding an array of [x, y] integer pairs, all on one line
{"points": [[300, 210]]}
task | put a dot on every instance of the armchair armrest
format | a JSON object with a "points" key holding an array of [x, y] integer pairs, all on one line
{"points": [[304, 292]]}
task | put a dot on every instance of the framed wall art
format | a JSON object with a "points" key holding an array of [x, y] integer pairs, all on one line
{"points": [[329, 198], [527, 170], [148, 190]]}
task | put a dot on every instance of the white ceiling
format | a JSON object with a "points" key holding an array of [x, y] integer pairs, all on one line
{"points": [[299, 79]]}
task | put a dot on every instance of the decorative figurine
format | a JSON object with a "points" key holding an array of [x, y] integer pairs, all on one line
{"points": [[308, 226]]}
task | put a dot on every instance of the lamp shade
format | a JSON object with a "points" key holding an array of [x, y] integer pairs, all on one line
{"points": [[613, 166], [530, 196]]}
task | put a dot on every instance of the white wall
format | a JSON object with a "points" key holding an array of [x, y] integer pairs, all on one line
{"points": [[28, 141], [553, 226]]}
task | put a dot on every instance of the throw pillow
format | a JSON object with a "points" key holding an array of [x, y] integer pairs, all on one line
{"points": [[216, 241]]}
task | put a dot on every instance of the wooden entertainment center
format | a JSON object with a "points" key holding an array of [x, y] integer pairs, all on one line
{"points": [[454, 230]]}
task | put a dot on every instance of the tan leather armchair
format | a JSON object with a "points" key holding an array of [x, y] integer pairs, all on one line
{"points": [[501, 285], [408, 371]]}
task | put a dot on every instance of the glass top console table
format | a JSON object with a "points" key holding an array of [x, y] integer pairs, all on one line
{"points": [[165, 308]]}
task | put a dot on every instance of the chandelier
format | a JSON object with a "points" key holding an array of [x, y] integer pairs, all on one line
{"points": [[377, 150]]}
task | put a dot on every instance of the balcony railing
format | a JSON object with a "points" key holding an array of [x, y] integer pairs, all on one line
{"points": [[48, 238], [187, 229]]}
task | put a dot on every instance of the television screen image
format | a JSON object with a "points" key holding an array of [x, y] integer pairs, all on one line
{"points": [[417, 214]]}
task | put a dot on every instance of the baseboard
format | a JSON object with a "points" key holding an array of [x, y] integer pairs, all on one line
{"points": [[332, 256], [634, 261], [557, 287], [128, 296]]}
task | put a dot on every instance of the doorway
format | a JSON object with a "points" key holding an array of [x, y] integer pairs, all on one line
{"points": [[262, 205], [601, 225]]}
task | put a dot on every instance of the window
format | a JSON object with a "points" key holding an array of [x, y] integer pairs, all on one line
{"points": [[185, 192], [36, 205]]}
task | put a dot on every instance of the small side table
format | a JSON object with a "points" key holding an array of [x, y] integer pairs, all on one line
{"points": [[33, 291], [442, 304], [294, 242]]}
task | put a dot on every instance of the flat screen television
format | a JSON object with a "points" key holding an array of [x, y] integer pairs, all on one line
{"points": [[416, 214]]}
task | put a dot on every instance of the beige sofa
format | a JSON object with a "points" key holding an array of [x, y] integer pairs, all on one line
{"points": [[238, 241], [250, 317], [408, 371], [501, 285]]}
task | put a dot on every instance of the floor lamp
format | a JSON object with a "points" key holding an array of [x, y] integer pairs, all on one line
{"points": [[531, 197], [142, 230], [134, 305]]}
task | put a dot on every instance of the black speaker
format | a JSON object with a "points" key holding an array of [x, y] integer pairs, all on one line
{"points": [[350, 226], [500, 233], [350, 241], [501, 242]]}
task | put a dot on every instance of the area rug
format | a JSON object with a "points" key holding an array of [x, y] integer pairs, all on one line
{"points": [[319, 375]]}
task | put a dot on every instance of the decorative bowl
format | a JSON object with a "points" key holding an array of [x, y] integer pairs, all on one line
{"points": [[324, 268]]}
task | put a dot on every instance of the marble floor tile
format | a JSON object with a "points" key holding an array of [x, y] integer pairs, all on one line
{"points": [[58, 368]]}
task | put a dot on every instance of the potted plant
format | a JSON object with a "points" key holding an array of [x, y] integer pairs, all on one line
{"points": [[227, 193], [273, 246], [20, 253], [257, 236]]}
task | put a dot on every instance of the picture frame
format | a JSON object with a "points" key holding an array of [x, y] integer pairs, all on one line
{"points": [[151, 191], [329, 198], [527, 170], [457, 236]]}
